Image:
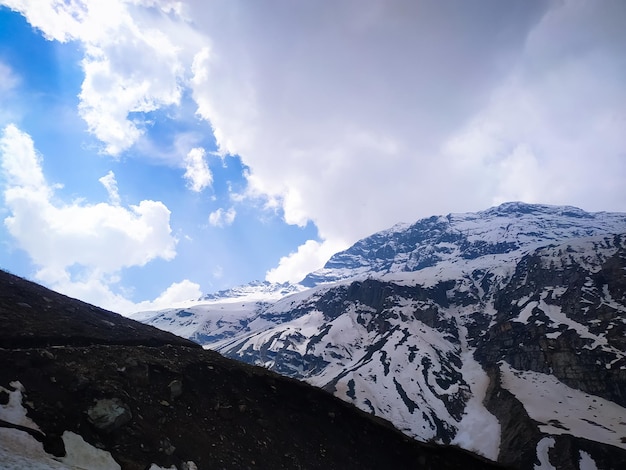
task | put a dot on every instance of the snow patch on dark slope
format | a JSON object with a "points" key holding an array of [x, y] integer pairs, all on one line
{"points": [[451, 328]]}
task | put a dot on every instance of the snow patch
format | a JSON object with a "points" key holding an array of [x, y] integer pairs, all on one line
{"points": [[81, 454], [19, 450], [586, 462], [13, 412], [560, 409], [543, 447]]}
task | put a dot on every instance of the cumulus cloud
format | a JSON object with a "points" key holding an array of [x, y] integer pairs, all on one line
{"points": [[178, 292], [356, 115], [21, 163], [554, 130], [340, 111], [99, 292], [222, 218], [307, 258], [135, 58], [77, 246], [197, 171]]}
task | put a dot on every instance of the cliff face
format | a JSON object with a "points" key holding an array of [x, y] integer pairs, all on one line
{"points": [[564, 316], [561, 318], [84, 388]]}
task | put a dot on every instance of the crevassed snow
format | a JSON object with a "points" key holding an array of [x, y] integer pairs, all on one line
{"points": [[251, 293], [584, 251], [522, 227], [560, 409]]}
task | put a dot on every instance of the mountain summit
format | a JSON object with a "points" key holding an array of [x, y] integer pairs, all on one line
{"points": [[501, 331], [507, 229]]}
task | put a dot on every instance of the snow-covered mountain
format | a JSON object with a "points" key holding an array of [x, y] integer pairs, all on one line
{"points": [[453, 241], [501, 331], [222, 315]]}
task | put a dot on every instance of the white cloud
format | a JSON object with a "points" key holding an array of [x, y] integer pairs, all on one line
{"points": [[359, 114], [110, 184], [99, 292], [178, 292], [136, 56], [339, 109], [21, 163], [554, 131], [77, 246], [221, 218], [218, 272], [197, 171], [345, 118], [310, 256]]}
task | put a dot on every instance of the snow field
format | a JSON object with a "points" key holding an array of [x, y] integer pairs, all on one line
{"points": [[560, 409]]}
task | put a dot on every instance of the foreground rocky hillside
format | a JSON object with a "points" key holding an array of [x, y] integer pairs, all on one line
{"points": [[83, 388], [501, 331]]}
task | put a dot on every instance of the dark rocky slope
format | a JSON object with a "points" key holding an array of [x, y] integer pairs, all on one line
{"points": [[149, 397]]}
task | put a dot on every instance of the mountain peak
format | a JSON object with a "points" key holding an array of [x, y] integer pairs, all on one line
{"points": [[520, 208], [512, 227], [254, 291]]}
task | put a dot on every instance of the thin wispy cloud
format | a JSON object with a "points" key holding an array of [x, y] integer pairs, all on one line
{"points": [[8, 80], [110, 184]]}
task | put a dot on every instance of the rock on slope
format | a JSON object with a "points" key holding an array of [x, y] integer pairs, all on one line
{"points": [[81, 387], [500, 331]]}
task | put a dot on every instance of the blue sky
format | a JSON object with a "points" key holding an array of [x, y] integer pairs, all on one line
{"points": [[155, 150], [44, 105]]}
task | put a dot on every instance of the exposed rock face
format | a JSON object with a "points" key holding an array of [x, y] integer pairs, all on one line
{"points": [[509, 321], [520, 434], [145, 399], [588, 333]]}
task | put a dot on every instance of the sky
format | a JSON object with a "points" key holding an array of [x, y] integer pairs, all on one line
{"points": [[155, 150]]}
